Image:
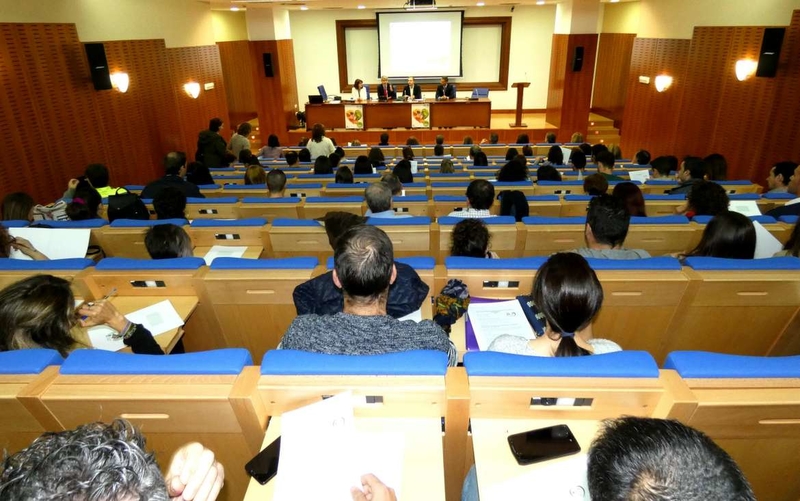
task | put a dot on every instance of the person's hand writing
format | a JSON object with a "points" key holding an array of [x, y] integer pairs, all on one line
{"points": [[194, 474], [27, 248], [102, 312], [372, 489]]}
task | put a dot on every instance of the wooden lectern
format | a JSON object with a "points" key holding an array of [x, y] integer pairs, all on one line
{"points": [[520, 86]]}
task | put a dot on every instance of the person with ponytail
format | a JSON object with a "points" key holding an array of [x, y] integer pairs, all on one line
{"points": [[85, 204], [568, 294]]}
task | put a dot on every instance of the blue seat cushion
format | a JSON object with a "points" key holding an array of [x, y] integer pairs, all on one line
{"points": [[660, 220], [408, 363], [578, 198], [489, 221], [333, 200], [453, 184], [399, 221], [136, 223], [544, 221], [267, 200], [17, 223], [124, 264], [409, 198], [626, 364], [87, 223], [289, 263], [279, 222], [479, 263], [233, 187], [788, 219], [228, 361], [761, 219], [416, 262], [31, 361], [718, 263], [210, 223], [450, 198], [703, 364], [79, 263], [212, 201], [542, 198], [653, 263]]}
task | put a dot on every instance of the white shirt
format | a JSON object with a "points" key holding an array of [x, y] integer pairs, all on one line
{"points": [[469, 212], [322, 148], [359, 93]]}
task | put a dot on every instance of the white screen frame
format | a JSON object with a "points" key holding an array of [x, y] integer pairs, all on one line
{"points": [[383, 20]]}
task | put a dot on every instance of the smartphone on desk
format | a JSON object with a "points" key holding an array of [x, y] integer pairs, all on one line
{"points": [[264, 465], [543, 444]]}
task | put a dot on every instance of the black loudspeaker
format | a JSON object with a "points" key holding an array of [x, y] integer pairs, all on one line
{"points": [[577, 59], [770, 52], [96, 54], [268, 65]]}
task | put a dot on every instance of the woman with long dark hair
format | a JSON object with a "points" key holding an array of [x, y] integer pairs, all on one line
{"points": [[632, 196], [730, 235], [319, 145], [568, 294]]}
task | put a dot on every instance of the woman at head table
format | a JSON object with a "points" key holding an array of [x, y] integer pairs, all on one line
{"points": [[359, 92]]}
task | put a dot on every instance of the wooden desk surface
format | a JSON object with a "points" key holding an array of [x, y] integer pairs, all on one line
{"points": [[458, 336], [252, 252], [494, 462], [423, 465], [184, 305]]}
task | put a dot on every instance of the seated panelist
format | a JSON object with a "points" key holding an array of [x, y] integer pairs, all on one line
{"points": [[359, 92], [412, 91], [386, 90], [445, 90]]}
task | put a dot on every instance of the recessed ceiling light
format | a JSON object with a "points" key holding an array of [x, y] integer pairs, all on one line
{"points": [[362, 7], [614, 1], [540, 2], [481, 4], [235, 9], [303, 7]]}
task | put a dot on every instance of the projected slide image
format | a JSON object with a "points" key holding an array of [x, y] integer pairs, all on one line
{"points": [[423, 48]]}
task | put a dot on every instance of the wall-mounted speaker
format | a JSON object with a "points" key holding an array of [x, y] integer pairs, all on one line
{"points": [[577, 59], [268, 65], [96, 54], [770, 52]]}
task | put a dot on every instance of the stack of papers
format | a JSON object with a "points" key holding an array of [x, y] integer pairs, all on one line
{"points": [[491, 320], [223, 251], [55, 243]]}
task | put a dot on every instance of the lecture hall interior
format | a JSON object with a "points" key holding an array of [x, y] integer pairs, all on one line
{"points": [[713, 343]]}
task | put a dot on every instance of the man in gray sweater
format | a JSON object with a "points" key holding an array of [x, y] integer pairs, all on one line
{"points": [[364, 270]]}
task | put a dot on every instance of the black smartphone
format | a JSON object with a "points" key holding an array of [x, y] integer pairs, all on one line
{"points": [[540, 445], [265, 465]]}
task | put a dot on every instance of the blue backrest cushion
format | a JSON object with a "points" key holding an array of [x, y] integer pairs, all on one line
{"points": [[289, 263], [479, 263], [210, 223], [653, 263], [624, 364], [546, 221], [399, 221], [136, 223], [489, 221], [228, 361], [124, 264], [408, 363], [718, 263], [703, 364], [32, 361], [78, 263]]}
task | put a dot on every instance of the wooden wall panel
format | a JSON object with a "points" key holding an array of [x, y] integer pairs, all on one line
{"points": [[611, 75], [276, 96], [650, 119], [202, 65], [570, 94], [235, 59]]}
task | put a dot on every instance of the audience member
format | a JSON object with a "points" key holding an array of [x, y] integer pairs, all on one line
{"points": [[303, 142], [522, 160], [255, 174], [637, 458], [663, 167], [693, 170], [402, 170], [550, 137], [304, 156], [470, 238], [354, 142], [412, 141], [605, 166], [467, 140], [706, 199], [384, 139], [480, 160], [586, 148], [362, 165], [97, 461], [607, 221], [276, 183], [364, 269], [393, 183], [597, 148], [39, 312], [17, 207], [642, 157], [344, 175], [792, 246], [322, 166], [86, 203], [631, 196], [555, 156], [198, 174], [240, 140], [595, 184], [513, 172], [779, 176], [340, 151], [292, 158], [474, 150], [379, 201], [511, 154], [578, 162], [98, 176], [446, 167], [480, 197], [376, 158], [273, 149], [513, 203], [439, 139], [568, 294], [211, 147], [717, 167], [547, 173], [9, 243], [438, 150], [319, 145], [167, 241], [730, 235], [334, 160], [408, 153], [615, 150], [247, 158], [527, 151], [576, 138], [170, 203], [493, 138], [175, 169]]}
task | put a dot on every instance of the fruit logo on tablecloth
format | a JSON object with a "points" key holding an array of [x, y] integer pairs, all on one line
{"points": [[420, 116], [354, 117]]}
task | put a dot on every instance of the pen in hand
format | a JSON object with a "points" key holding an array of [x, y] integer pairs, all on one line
{"points": [[108, 296]]}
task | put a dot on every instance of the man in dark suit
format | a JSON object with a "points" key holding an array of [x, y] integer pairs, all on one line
{"points": [[386, 90], [445, 90], [175, 170], [411, 90], [792, 207]]}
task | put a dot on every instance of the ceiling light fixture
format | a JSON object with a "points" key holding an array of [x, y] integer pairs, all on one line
{"points": [[540, 2], [362, 7], [480, 4], [663, 82], [120, 81], [303, 7], [234, 9], [193, 89]]}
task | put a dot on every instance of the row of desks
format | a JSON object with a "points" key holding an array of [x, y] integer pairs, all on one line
{"points": [[394, 114]]}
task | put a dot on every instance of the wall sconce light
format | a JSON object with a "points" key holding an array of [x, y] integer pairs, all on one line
{"points": [[193, 89], [663, 82], [745, 68], [120, 81]]}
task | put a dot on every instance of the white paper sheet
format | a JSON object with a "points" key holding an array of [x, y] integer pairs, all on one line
{"points": [[746, 207], [414, 166], [382, 455], [100, 337], [766, 244], [491, 320], [639, 175], [414, 315], [223, 251], [158, 318], [556, 480], [317, 452], [55, 243]]}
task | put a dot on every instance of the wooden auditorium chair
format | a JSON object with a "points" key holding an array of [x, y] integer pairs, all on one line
{"points": [[125, 237], [410, 236], [317, 207], [249, 233], [297, 237], [14, 270], [269, 208], [413, 205], [212, 208]]}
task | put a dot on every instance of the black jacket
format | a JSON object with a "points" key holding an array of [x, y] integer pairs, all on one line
{"points": [[785, 210], [154, 188], [211, 148], [320, 295], [448, 91], [417, 91]]}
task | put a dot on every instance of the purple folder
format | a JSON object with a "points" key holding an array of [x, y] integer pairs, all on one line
{"points": [[469, 332]]}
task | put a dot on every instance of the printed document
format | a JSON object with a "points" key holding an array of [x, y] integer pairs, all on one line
{"points": [[491, 320], [55, 243]]}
